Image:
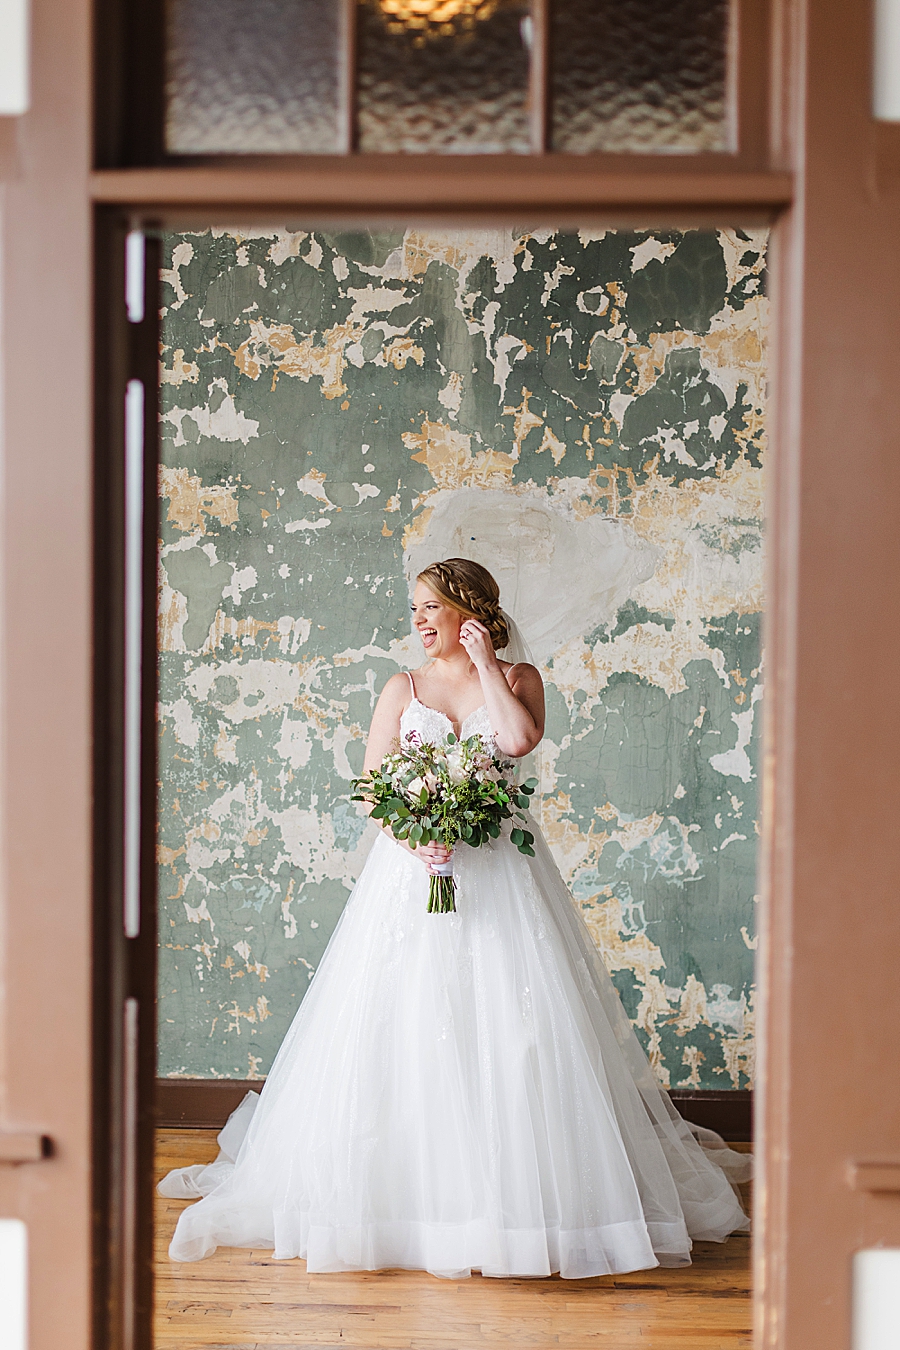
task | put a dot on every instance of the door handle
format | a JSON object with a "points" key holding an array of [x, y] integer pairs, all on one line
{"points": [[21, 1146], [869, 1175]]}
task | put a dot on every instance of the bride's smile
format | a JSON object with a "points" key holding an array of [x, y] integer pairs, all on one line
{"points": [[436, 624]]}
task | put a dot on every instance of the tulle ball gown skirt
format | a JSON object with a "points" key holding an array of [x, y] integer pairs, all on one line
{"points": [[461, 1092]]}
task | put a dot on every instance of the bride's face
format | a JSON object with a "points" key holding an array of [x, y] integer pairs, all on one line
{"points": [[436, 623]]}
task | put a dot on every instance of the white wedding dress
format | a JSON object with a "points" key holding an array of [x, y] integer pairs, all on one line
{"points": [[461, 1092]]}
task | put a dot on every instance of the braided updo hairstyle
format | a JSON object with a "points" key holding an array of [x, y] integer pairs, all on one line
{"points": [[470, 589]]}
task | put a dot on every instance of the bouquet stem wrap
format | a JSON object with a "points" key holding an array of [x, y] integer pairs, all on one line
{"points": [[442, 889]]}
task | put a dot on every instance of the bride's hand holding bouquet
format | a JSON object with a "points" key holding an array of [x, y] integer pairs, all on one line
{"points": [[458, 792]]}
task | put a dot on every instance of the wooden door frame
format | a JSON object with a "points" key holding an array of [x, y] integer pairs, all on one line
{"points": [[829, 1097], [832, 179], [558, 192]]}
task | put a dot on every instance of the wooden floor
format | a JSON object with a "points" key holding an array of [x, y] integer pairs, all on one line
{"points": [[242, 1300]]}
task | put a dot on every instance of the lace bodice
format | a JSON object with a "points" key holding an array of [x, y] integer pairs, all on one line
{"points": [[433, 726]]}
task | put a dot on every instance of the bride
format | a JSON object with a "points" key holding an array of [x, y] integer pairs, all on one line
{"points": [[461, 1091]]}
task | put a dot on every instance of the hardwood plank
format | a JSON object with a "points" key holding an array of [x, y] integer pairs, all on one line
{"points": [[242, 1299]]}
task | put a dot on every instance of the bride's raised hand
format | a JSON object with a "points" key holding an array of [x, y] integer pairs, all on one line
{"points": [[477, 641]]}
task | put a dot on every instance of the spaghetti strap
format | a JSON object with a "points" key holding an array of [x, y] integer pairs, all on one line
{"points": [[411, 684]]}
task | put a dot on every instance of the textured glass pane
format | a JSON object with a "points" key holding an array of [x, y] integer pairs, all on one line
{"points": [[449, 76], [252, 77], [639, 75]]}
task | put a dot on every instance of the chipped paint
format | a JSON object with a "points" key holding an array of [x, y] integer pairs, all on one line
{"points": [[582, 412]]}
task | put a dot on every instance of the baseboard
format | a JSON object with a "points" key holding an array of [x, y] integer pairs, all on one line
{"points": [[729, 1113], [200, 1103], [206, 1103]]}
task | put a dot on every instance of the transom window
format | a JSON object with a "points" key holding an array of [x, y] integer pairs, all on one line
{"points": [[448, 76]]}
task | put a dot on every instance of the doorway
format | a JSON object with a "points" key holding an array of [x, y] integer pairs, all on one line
{"points": [[337, 408]]}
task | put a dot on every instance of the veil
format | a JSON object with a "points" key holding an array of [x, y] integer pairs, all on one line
{"points": [[517, 651]]}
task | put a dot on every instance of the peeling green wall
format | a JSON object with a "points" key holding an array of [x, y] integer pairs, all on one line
{"points": [[582, 412]]}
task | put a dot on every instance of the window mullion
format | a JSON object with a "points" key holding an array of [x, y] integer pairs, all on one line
{"points": [[539, 78], [348, 76]]}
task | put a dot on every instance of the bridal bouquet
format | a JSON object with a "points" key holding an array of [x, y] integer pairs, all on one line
{"points": [[458, 791]]}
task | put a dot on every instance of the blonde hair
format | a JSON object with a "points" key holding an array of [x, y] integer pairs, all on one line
{"points": [[470, 589]]}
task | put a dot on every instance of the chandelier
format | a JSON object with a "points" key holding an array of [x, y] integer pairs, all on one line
{"points": [[436, 17]]}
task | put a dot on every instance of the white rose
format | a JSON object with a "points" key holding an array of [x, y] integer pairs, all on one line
{"points": [[414, 789], [455, 766]]}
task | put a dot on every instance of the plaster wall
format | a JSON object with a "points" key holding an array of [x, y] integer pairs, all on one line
{"points": [[584, 413]]}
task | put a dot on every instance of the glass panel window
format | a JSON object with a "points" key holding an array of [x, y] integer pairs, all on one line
{"points": [[639, 75], [253, 78], [447, 76]]}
